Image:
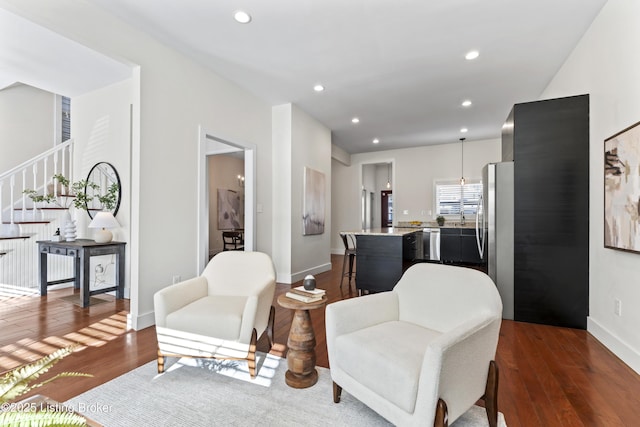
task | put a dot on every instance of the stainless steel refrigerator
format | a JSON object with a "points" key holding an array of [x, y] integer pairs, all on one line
{"points": [[494, 229]]}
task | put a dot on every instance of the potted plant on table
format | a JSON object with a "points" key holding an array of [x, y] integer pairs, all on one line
{"points": [[64, 194], [440, 220]]}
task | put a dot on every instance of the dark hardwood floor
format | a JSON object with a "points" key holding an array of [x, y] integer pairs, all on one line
{"points": [[549, 376]]}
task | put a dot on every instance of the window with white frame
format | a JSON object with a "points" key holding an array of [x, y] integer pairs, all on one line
{"points": [[452, 198]]}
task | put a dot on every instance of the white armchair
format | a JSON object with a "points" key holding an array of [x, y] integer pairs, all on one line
{"points": [[423, 352], [220, 314]]}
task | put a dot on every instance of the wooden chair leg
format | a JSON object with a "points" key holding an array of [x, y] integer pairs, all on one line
{"points": [[272, 319], [442, 415], [161, 361], [337, 392], [491, 394], [251, 357]]}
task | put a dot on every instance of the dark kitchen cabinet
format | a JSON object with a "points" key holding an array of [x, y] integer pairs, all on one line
{"points": [[548, 142], [458, 245], [469, 246], [381, 259], [450, 245]]}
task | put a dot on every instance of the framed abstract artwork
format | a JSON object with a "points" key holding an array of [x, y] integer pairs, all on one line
{"points": [[313, 203], [230, 210], [622, 190]]}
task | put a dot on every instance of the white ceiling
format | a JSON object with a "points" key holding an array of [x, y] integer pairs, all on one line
{"points": [[398, 65], [36, 56]]}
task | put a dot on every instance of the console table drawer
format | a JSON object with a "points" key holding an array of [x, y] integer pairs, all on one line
{"points": [[57, 251]]}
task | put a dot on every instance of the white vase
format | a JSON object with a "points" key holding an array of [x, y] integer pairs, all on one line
{"points": [[69, 228]]}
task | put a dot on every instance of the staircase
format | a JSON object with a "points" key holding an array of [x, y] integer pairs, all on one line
{"points": [[23, 223]]}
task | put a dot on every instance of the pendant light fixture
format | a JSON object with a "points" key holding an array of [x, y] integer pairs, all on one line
{"points": [[462, 161], [388, 176]]}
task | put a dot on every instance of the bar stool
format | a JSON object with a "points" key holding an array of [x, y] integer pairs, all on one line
{"points": [[350, 253]]}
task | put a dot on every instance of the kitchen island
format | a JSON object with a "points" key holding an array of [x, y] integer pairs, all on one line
{"points": [[383, 254]]}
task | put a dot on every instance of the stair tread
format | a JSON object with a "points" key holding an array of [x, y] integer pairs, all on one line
{"points": [[22, 236], [45, 208], [26, 221]]}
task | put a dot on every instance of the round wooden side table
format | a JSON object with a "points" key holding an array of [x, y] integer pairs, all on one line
{"points": [[301, 356]]}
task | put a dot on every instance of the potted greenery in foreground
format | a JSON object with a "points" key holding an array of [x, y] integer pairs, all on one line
{"points": [[17, 382]]}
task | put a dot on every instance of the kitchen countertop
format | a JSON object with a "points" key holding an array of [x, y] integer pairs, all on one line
{"points": [[433, 224], [387, 231]]}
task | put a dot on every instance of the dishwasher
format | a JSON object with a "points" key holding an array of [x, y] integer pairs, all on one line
{"points": [[431, 244]]}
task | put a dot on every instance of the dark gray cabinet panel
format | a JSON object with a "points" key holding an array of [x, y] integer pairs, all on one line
{"points": [[551, 244], [458, 245], [469, 246], [450, 245], [381, 260]]}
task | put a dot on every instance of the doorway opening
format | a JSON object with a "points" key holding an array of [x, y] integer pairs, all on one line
{"points": [[376, 179], [386, 208], [226, 194]]}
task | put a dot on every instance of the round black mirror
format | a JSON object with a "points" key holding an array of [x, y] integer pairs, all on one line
{"points": [[103, 186]]}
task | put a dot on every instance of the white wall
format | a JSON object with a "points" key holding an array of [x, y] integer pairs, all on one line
{"points": [[27, 124], [299, 141], [282, 207], [175, 97], [605, 65], [101, 128], [413, 173]]}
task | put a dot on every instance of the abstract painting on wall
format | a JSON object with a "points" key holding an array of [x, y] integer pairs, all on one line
{"points": [[230, 210], [622, 190], [313, 203]]}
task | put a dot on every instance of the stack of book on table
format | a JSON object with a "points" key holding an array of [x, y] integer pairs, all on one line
{"points": [[301, 294]]}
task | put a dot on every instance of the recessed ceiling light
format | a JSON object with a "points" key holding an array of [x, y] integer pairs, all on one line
{"points": [[318, 88], [376, 140], [355, 120], [472, 55], [464, 130], [466, 103], [242, 17]]}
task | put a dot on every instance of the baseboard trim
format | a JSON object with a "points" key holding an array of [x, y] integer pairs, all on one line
{"points": [[295, 277], [621, 349], [141, 322]]}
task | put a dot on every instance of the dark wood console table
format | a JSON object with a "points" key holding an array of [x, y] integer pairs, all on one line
{"points": [[82, 250]]}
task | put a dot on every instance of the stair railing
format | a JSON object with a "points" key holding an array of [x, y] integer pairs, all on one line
{"points": [[59, 158], [20, 225]]}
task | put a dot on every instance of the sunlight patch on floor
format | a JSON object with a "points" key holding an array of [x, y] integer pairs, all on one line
{"points": [[94, 335]]}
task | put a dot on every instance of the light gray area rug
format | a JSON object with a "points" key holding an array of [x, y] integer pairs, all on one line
{"points": [[194, 392]]}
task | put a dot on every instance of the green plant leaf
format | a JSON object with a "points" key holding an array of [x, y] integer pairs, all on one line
{"points": [[17, 381], [41, 418]]}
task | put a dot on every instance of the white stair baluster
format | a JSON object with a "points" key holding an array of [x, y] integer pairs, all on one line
{"points": [[24, 196], [12, 183], [55, 172], [1, 201], [44, 176], [35, 185], [63, 171], [70, 148]]}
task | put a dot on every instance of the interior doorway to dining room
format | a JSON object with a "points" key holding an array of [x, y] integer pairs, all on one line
{"points": [[226, 194]]}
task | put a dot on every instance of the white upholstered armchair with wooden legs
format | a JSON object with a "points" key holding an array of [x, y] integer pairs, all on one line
{"points": [[220, 314], [421, 354]]}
